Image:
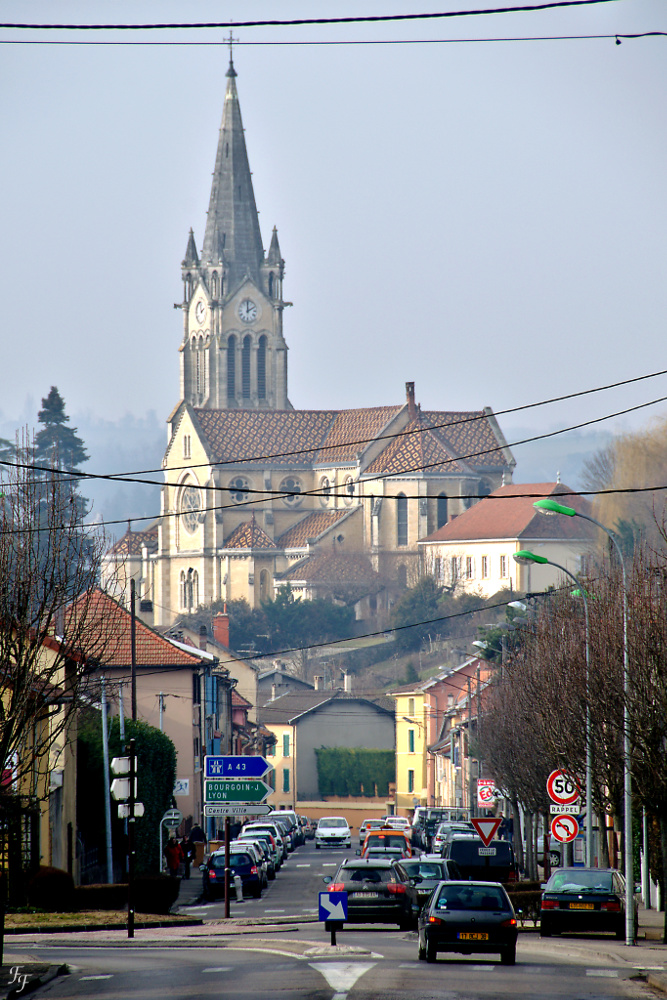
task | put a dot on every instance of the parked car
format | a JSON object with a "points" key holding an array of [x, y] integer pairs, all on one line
{"points": [[421, 876], [311, 827], [268, 855], [435, 815], [468, 917], [585, 899], [276, 832], [259, 854], [374, 894], [289, 817], [333, 831], [495, 863], [242, 863], [386, 837], [267, 839]]}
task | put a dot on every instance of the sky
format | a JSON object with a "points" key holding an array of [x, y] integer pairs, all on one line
{"points": [[486, 219]]}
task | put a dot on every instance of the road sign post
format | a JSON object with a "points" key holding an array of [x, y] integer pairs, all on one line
{"points": [[333, 911]]}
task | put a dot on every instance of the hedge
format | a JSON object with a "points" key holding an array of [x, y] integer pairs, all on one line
{"points": [[355, 771]]}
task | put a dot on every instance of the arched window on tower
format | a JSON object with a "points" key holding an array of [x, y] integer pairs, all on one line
{"points": [[264, 582], [270, 284], [181, 591], [442, 509], [261, 368], [231, 367], [199, 368], [245, 368], [402, 519], [214, 284]]}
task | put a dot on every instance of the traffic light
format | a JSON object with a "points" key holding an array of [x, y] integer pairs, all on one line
{"points": [[124, 789]]}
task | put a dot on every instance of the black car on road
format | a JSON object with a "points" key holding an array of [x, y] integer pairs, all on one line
{"points": [[468, 917], [374, 893], [241, 863]]}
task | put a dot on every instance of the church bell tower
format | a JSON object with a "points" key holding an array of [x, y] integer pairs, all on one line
{"points": [[233, 354]]}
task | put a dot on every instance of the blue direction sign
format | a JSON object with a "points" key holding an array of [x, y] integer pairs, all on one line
{"points": [[333, 906], [236, 767]]}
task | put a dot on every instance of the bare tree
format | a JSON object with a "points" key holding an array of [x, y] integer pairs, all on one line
{"points": [[48, 560]]}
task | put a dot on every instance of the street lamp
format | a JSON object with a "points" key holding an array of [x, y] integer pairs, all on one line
{"points": [[524, 557], [549, 506]]}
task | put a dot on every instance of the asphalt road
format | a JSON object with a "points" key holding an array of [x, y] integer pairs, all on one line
{"points": [[296, 961]]}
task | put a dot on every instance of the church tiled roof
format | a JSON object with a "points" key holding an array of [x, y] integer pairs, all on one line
{"points": [[466, 441], [353, 429], [312, 526], [470, 435], [249, 535], [132, 542], [412, 451], [247, 435]]}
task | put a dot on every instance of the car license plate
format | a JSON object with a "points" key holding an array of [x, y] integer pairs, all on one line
{"points": [[364, 895], [472, 936], [582, 906]]}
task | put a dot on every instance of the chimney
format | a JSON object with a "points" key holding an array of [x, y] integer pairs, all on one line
{"points": [[274, 691], [317, 681], [221, 628], [347, 683], [410, 394], [203, 636]]}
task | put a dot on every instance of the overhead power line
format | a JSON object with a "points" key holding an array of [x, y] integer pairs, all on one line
{"points": [[181, 43], [301, 21]]}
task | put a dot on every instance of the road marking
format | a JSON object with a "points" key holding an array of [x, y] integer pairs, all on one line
{"points": [[303, 866], [218, 968], [274, 911], [606, 973], [330, 864], [85, 979], [341, 976]]}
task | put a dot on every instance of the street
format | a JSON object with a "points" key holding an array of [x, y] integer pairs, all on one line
{"points": [[295, 960]]}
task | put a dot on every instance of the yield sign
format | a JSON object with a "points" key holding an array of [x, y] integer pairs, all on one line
{"points": [[487, 828]]}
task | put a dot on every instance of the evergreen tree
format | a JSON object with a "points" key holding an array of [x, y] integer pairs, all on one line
{"points": [[57, 444]]}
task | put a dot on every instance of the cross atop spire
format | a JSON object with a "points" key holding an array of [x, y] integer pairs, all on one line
{"points": [[230, 41]]}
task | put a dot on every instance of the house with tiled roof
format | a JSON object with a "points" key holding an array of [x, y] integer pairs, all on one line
{"points": [[181, 689], [474, 550], [253, 485]]}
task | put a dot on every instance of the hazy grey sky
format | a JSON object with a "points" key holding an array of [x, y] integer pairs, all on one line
{"points": [[487, 220]]}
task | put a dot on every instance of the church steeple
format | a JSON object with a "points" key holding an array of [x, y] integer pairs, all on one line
{"points": [[233, 353], [232, 227]]}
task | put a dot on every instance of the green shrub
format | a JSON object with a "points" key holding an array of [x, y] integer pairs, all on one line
{"points": [[354, 771], [51, 889], [155, 893], [100, 897]]}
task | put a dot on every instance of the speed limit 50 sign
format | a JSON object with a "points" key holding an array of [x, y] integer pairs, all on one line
{"points": [[563, 788]]}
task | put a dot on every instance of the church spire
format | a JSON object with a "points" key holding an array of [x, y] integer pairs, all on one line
{"points": [[232, 225]]}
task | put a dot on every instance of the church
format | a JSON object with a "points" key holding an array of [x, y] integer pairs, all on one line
{"points": [[258, 493]]}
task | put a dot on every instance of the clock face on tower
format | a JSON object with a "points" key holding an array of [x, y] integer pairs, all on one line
{"points": [[248, 311], [200, 311]]}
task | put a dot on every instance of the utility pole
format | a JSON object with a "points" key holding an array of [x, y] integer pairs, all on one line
{"points": [[107, 803], [121, 711], [471, 780], [131, 837], [133, 647], [161, 704]]}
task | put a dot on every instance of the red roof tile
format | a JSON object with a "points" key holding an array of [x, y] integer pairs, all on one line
{"points": [[508, 512], [152, 649]]}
